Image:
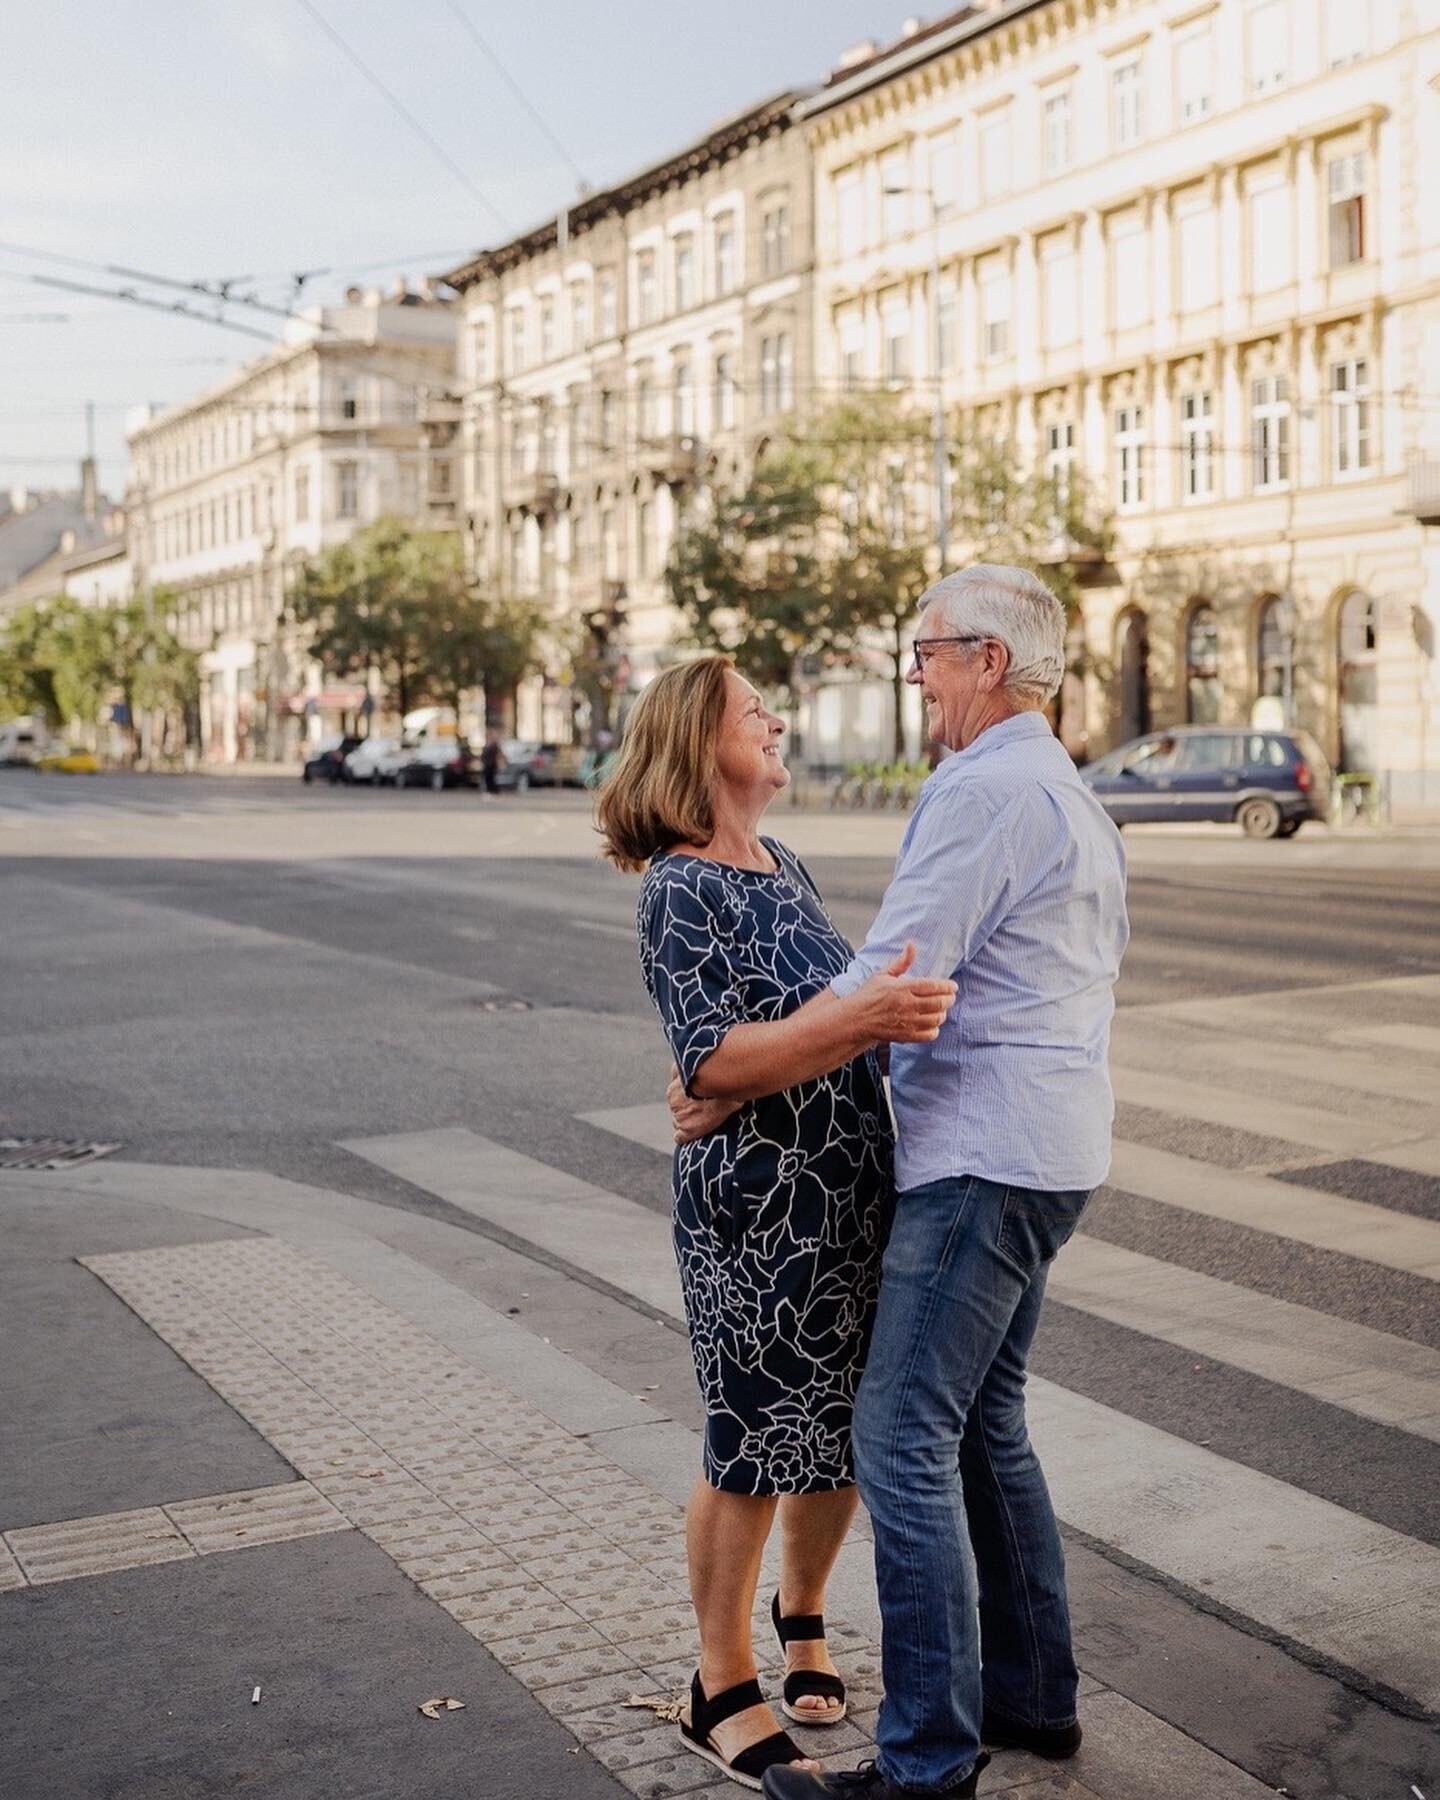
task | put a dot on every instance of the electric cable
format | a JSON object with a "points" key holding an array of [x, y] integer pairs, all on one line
{"points": [[470, 27]]}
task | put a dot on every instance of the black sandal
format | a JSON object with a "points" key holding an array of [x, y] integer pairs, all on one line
{"points": [[806, 1684], [754, 1759]]}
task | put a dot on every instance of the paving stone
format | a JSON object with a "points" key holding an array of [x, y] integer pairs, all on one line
{"points": [[649, 1622], [507, 1611], [612, 1721], [616, 1599], [682, 1773], [578, 1567], [582, 1665], [583, 1696], [651, 1742], [675, 1646], [268, 1515], [557, 1640], [10, 1572], [95, 1546], [481, 1574]]}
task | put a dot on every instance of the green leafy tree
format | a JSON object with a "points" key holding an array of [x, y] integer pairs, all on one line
{"points": [[27, 680], [97, 656], [478, 640], [370, 604]]}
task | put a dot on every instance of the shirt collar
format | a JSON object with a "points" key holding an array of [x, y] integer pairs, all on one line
{"points": [[1013, 730]]}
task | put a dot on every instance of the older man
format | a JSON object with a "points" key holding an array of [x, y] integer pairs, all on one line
{"points": [[1011, 880]]}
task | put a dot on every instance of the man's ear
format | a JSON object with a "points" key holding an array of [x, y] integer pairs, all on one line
{"points": [[997, 660]]}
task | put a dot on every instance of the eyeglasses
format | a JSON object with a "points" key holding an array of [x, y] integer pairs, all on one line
{"points": [[923, 646]]}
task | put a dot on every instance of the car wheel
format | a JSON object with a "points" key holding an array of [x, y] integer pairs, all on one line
{"points": [[307, 777], [1289, 828], [437, 780], [1259, 818]]}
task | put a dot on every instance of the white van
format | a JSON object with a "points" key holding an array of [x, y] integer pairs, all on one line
{"points": [[21, 741]]}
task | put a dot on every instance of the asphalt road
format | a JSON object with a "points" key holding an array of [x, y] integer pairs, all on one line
{"points": [[244, 973]]}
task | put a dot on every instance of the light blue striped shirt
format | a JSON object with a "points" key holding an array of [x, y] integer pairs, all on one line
{"points": [[1010, 880]]}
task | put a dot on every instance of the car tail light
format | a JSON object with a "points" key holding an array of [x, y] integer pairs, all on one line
{"points": [[1304, 780]]}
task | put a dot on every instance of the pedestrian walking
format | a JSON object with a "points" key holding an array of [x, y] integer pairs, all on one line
{"points": [[781, 1214], [492, 761], [1011, 880]]}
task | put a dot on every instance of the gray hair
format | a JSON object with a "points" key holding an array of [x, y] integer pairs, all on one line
{"points": [[1015, 608]]}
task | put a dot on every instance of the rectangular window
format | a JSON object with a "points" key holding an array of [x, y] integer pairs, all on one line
{"points": [[1130, 449], [1058, 136], [579, 316], [1270, 432], [1197, 446], [1269, 237], [1267, 47], [579, 431], [1059, 296], [1130, 274], [945, 169], [683, 402], [996, 175], [547, 330], [1346, 181], [1127, 117], [1194, 73], [549, 442], [724, 398], [897, 345], [1347, 36], [645, 307], [1350, 416], [609, 420], [645, 407], [777, 374], [609, 323], [1060, 455], [347, 490], [349, 401], [684, 273], [894, 195], [725, 271], [302, 495], [775, 238], [1198, 248], [517, 340], [645, 535], [849, 213], [995, 308]]}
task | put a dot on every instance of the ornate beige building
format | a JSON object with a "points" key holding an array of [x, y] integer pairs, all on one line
{"points": [[1184, 244], [230, 492], [608, 359]]}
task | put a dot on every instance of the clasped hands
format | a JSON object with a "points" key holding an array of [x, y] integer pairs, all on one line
{"points": [[893, 1007]]}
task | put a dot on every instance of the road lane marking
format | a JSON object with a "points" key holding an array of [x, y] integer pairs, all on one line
{"points": [[1343, 1585], [650, 1124], [1303, 1215]]}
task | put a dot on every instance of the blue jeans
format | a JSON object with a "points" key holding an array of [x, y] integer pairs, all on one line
{"points": [[967, 1553]]}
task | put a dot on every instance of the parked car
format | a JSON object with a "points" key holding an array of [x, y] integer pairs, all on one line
{"points": [[1267, 782], [439, 763], [69, 759], [329, 756], [391, 763], [21, 741], [362, 764], [566, 765], [527, 765]]}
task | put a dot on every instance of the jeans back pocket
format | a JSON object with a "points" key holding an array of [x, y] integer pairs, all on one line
{"points": [[1035, 1223]]}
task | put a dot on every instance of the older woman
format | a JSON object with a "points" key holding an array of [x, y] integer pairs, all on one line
{"points": [[781, 1214]]}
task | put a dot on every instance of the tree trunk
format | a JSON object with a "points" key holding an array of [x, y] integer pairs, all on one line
{"points": [[898, 688]]}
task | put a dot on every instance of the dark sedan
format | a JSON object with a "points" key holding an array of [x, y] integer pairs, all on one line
{"points": [[329, 758], [1266, 782]]}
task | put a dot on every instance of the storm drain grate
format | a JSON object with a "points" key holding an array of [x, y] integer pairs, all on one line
{"points": [[49, 1153]]}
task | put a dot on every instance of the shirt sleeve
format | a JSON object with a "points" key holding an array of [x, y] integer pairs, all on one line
{"points": [[693, 978], [954, 882]]}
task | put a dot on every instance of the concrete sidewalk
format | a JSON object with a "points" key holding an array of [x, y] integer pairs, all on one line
{"points": [[430, 1500]]}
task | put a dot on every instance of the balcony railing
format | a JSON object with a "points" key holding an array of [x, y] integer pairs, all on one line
{"points": [[538, 491], [672, 459], [1423, 489]]}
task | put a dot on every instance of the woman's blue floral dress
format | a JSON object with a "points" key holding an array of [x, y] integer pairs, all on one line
{"points": [[781, 1216]]}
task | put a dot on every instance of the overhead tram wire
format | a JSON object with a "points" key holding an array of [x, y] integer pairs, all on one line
{"points": [[130, 298], [399, 106], [537, 118]]}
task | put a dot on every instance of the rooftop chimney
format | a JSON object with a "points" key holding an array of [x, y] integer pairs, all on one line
{"points": [[858, 53], [89, 489], [911, 27]]}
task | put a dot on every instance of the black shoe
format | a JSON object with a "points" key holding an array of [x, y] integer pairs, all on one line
{"points": [[1053, 1741], [751, 1763], [807, 1683], [864, 1783]]}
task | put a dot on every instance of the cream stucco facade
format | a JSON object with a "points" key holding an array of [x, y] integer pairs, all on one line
{"points": [[230, 492], [1185, 246], [607, 362]]}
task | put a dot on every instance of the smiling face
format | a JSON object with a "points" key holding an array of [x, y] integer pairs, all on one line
{"points": [[747, 752], [957, 681]]}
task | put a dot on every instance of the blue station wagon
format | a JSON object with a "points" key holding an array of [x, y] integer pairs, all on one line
{"points": [[1267, 782]]}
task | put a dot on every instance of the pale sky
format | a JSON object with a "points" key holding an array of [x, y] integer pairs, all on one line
{"points": [[202, 139]]}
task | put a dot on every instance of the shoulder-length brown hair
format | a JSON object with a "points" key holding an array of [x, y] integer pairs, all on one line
{"points": [[661, 791]]}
